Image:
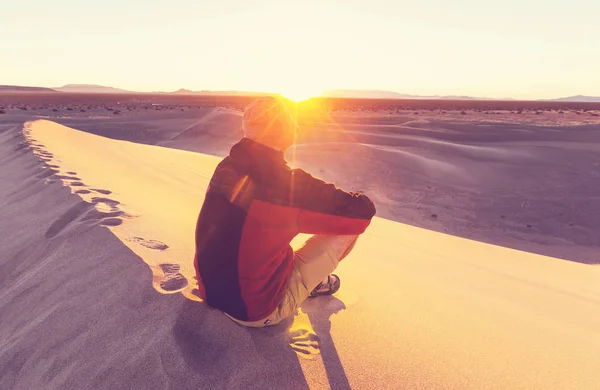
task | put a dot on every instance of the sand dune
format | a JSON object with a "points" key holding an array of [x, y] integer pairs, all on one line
{"points": [[214, 133], [97, 288], [528, 190]]}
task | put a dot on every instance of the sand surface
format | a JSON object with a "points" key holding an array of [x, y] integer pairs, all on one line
{"points": [[96, 278]]}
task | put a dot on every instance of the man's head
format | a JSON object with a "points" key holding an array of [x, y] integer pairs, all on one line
{"points": [[269, 122]]}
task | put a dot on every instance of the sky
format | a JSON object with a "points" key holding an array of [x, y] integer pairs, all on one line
{"points": [[509, 49]]}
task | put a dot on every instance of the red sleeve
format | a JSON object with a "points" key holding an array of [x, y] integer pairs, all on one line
{"points": [[326, 209]]}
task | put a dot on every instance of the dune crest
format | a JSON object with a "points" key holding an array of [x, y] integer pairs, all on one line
{"points": [[130, 189]]}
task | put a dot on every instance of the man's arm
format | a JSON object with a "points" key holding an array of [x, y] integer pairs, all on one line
{"points": [[326, 209]]}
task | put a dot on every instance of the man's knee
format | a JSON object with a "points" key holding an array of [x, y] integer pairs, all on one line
{"points": [[350, 243], [339, 246], [331, 247]]}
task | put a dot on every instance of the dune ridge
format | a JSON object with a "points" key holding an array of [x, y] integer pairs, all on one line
{"points": [[97, 290]]}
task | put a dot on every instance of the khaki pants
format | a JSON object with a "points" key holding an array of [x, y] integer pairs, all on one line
{"points": [[317, 258]]}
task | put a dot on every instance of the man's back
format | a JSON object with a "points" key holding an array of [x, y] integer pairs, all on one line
{"points": [[254, 207]]}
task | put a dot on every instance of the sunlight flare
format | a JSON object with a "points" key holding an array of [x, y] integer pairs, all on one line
{"points": [[299, 93]]}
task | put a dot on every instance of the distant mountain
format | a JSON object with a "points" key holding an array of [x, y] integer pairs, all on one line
{"points": [[376, 94], [17, 88], [183, 91], [365, 94], [454, 97], [87, 88], [579, 99]]}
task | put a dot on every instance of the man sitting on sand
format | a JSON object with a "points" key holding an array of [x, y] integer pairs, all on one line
{"points": [[254, 206]]}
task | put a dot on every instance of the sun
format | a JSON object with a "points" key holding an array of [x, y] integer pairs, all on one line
{"points": [[298, 94]]}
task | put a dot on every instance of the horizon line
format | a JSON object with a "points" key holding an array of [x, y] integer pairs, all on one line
{"points": [[323, 94]]}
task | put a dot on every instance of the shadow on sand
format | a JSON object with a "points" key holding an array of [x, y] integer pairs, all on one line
{"points": [[319, 312], [200, 332]]}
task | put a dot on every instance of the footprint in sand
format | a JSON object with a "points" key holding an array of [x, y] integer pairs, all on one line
{"points": [[100, 191], [41, 152], [97, 199], [111, 222], [110, 218], [304, 342], [171, 280], [65, 177], [106, 204], [95, 215], [150, 244]]}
